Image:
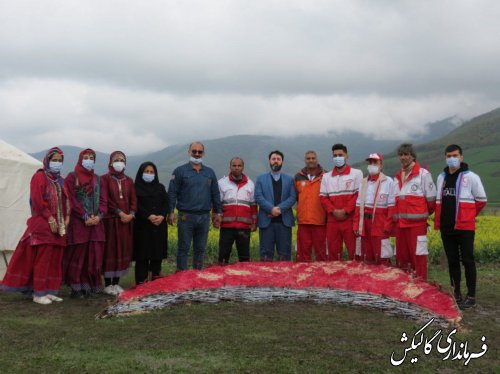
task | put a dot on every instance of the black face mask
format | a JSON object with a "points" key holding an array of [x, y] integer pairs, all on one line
{"points": [[276, 168]]}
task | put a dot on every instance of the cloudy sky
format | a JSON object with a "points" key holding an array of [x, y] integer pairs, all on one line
{"points": [[141, 75]]}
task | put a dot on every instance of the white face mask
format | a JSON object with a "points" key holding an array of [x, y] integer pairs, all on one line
{"points": [[119, 166], [339, 161], [453, 162], [88, 164], [373, 169], [55, 166], [148, 178], [195, 160]]}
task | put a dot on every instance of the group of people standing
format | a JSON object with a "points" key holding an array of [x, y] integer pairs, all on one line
{"points": [[84, 228], [334, 209], [87, 228]]}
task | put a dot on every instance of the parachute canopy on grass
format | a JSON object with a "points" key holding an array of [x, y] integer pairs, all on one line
{"points": [[352, 283]]}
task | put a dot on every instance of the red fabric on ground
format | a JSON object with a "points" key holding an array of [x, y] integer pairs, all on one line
{"points": [[348, 275]]}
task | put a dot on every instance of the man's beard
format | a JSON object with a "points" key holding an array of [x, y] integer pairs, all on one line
{"points": [[275, 167]]}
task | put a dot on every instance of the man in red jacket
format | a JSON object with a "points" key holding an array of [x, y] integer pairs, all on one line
{"points": [[310, 213], [415, 201], [239, 212], [461, 197], [372, 218], [338, 194]]}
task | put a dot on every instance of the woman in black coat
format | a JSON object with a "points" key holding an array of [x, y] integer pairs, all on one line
{"points": [[150, 227]]}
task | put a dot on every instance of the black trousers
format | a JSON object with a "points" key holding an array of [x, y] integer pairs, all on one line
{"points": [[142, 267], [226, 239], [459, 245]]}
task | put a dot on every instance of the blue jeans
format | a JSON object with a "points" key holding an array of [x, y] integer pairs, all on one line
{"points": [[275, 235], [192, 227]]}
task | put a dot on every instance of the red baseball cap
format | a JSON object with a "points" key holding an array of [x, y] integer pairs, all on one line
{"points": [[374, 156]]}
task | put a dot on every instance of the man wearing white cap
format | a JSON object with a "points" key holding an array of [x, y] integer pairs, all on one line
{"points": [[373, 215]]}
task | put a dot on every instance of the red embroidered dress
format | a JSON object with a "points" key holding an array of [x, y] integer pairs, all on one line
{"points": [[119, 245], [82, 262], [36, 263]]}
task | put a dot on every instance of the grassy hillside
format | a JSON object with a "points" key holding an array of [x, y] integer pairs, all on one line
{"points": [[480, 140]]}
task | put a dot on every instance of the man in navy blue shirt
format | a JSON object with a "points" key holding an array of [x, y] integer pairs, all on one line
{"points": [[194, 191]]}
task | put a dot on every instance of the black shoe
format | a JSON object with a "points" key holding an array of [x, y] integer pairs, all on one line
{"points": [[77, 294], [469, 302], [458, 298]]}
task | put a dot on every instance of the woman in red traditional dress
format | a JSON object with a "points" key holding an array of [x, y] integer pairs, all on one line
{"points": [[118, 222], [36, 263], [82, 262]]}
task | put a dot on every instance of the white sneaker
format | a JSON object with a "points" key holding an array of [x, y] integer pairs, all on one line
{"points": [[54, 298], [44, 300], [118, 289], [110, 290]]}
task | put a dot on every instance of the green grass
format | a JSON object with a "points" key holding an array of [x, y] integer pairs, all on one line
{"points": [[232, 337], [242, 338]]}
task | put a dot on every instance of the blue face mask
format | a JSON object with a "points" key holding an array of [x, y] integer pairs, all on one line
{"points": [[453, 162], [339, 161], [55, 166], [88, 164], [148, 178]]}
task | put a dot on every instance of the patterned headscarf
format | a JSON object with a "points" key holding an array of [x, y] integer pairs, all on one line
{"points": [[85, 177], [46, 161], [112, 171], [55, 193]]}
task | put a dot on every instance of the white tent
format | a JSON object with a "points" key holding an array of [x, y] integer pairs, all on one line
{"points": [[16, 170]]}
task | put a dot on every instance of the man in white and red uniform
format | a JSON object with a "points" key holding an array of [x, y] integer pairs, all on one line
{"points": [[461, 197], [373, 214], [239, 212], [310, 213], [338, 194], [415, 201]]}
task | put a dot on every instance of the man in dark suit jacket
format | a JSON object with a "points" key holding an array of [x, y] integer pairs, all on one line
{"points": [[275, 194]]}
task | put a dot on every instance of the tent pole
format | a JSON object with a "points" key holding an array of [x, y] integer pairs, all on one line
{"points": [[5, 259]]}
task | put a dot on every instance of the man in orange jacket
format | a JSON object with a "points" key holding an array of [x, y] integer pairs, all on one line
{"points": [[310, 213]]}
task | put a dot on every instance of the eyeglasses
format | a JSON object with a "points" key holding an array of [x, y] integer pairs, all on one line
{"points": [[195, 152]]}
